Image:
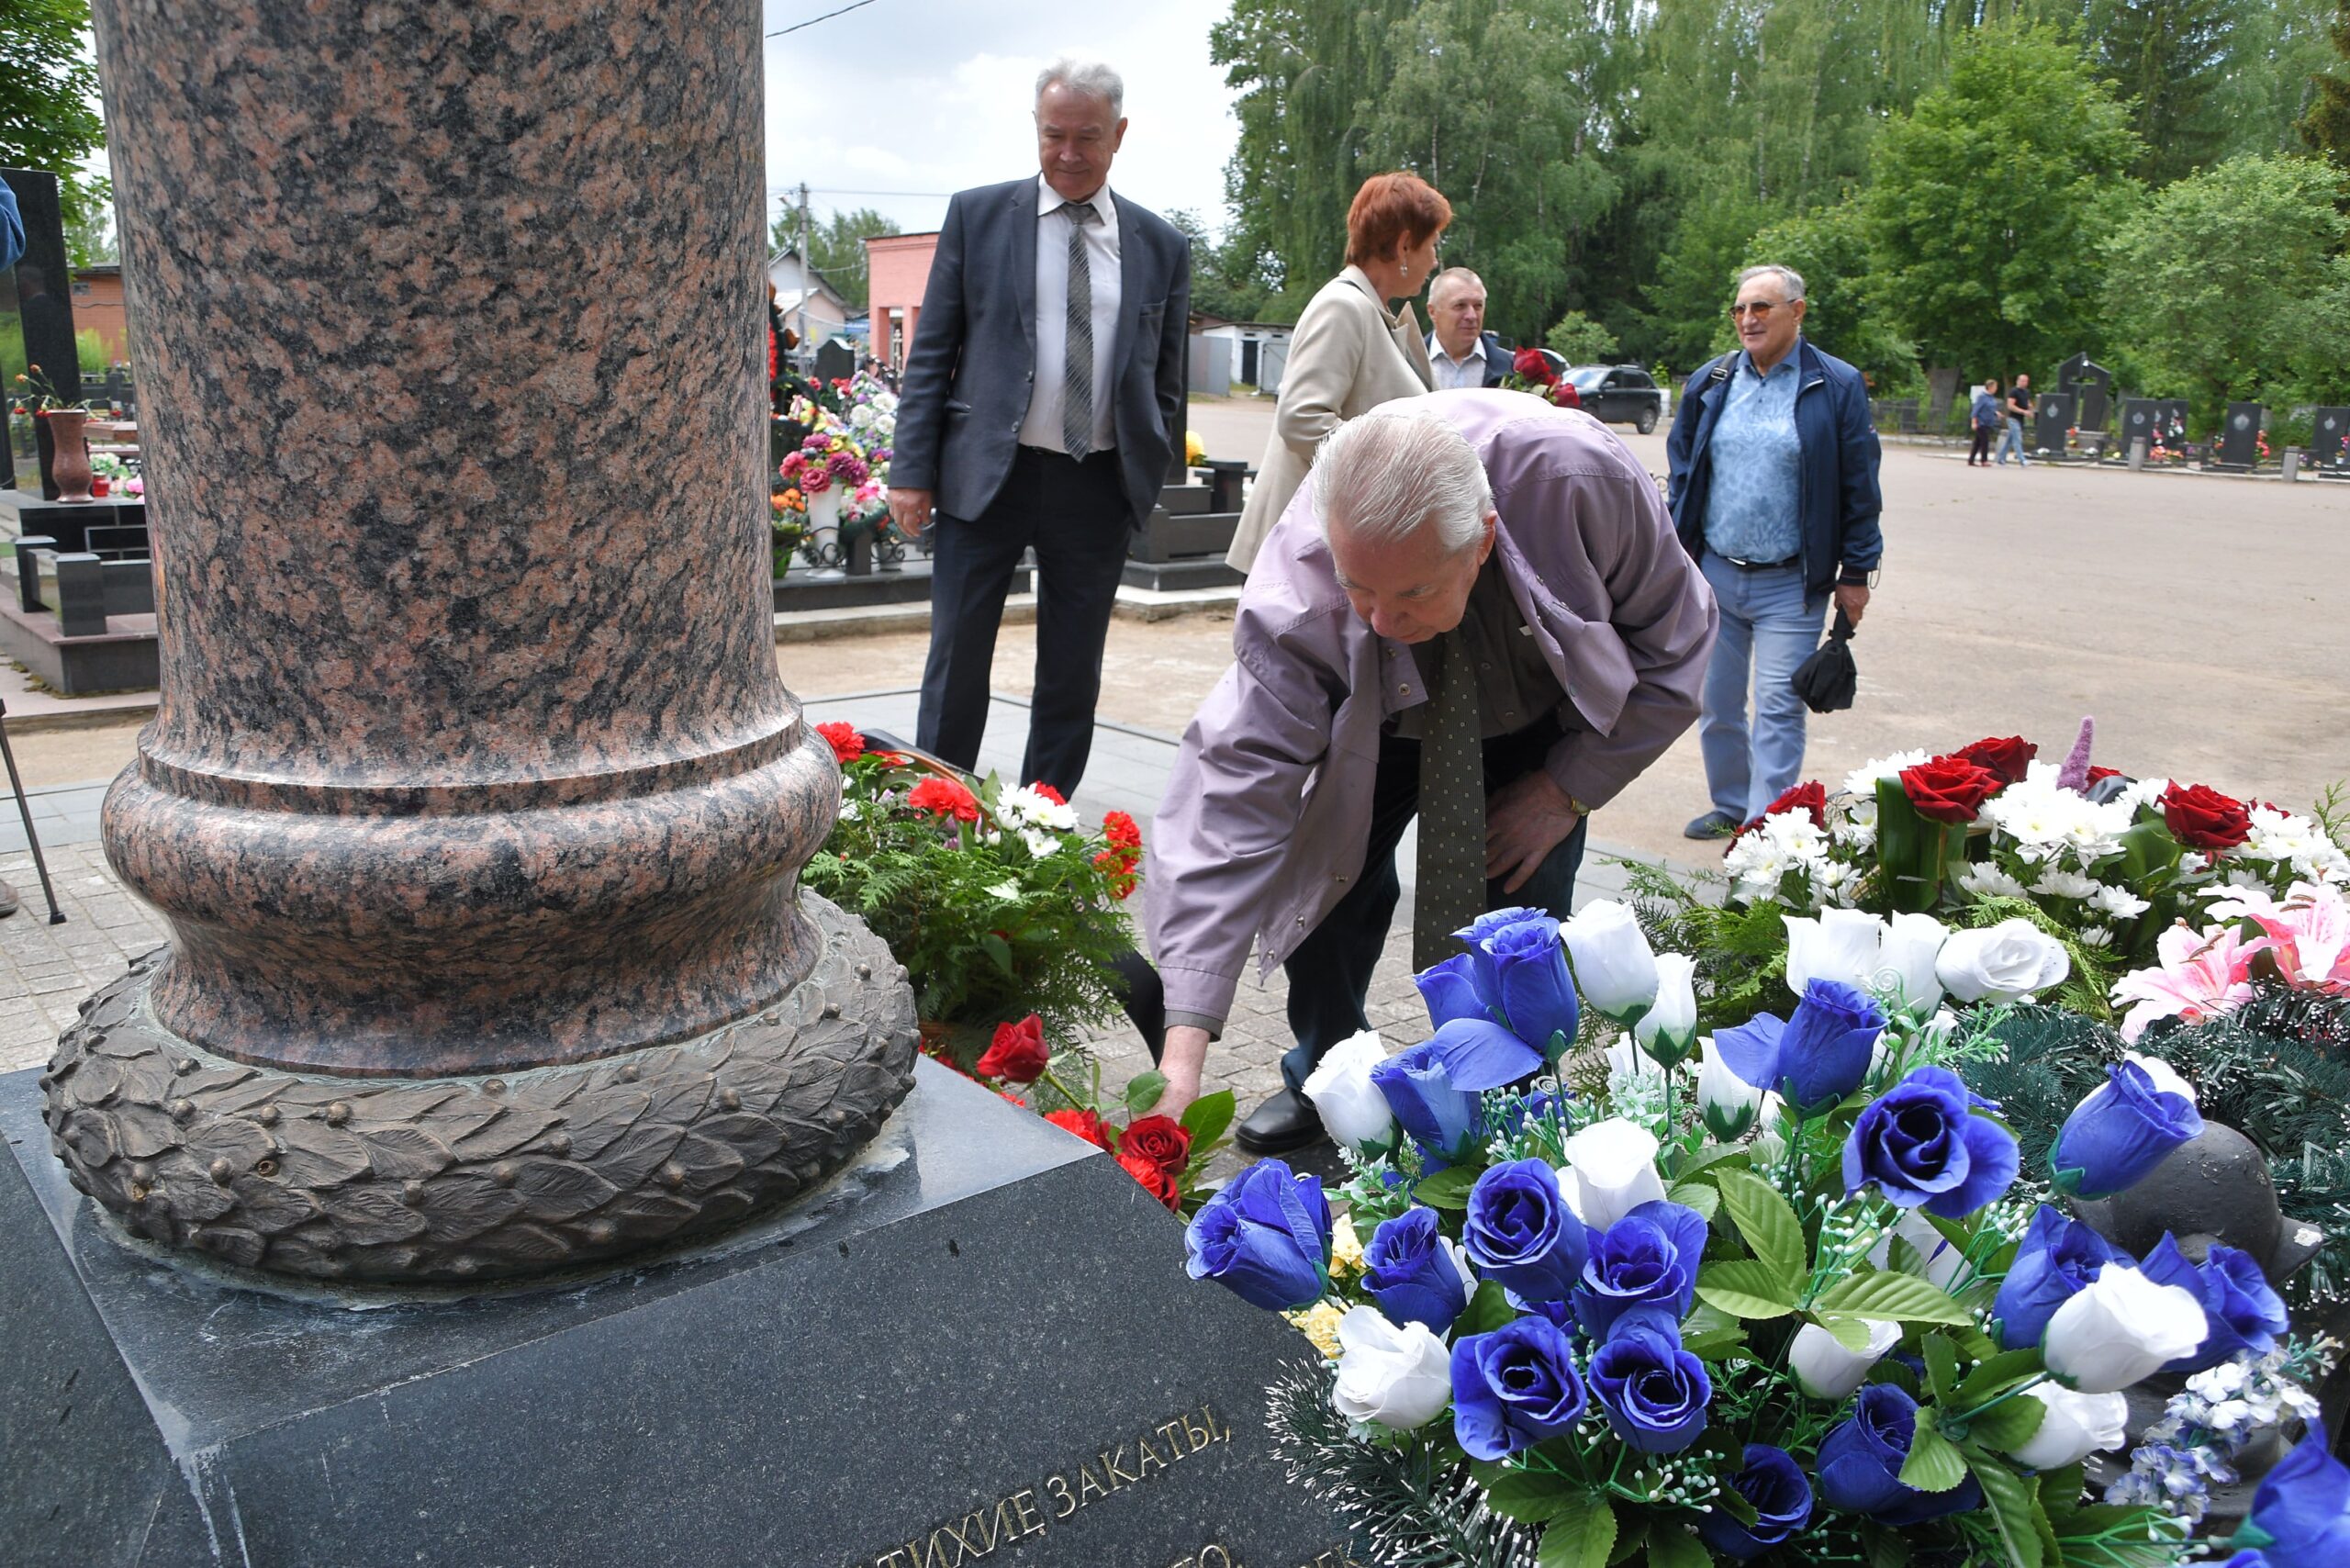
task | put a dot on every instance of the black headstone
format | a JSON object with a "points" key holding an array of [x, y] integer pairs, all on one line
{"points": [[835, 360], [2171, 413], [2141, 420], [2330, 438], [2091, 385], [2240, 435], [980, 1340], [2052, 420], [37, 309]]}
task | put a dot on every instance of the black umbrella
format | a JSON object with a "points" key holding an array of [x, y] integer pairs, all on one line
{"points": [[1827, 680]]}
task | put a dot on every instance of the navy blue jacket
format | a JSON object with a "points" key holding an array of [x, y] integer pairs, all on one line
{"points": [[1837, 489], [973, 359]]}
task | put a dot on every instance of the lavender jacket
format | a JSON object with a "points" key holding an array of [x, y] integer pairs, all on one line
{"points": [[1267, 812]]}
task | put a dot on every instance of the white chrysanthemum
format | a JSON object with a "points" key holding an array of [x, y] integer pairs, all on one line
{"points": [[2283, 838], [2118, 902], [1862, 780], [1039, 844], [1027, 807], [851, 811], [2143, 792], [1005, 891], [1990, 881], [2066, 884], [2094, 936]]}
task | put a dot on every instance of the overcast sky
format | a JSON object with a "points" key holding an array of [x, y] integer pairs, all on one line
{"points": [[934, 95]]}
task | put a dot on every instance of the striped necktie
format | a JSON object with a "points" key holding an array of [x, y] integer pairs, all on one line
{"points": [[1449, 884], [1077, 365]]}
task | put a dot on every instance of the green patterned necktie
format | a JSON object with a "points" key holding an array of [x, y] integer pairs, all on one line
{"points": [[1449, 884]]}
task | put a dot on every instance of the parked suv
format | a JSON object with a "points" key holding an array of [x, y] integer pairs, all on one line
{"points": [[1618, 394]]}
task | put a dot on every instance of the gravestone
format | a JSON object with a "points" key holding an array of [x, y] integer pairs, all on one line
{"points": [[2141, 420], [2329, 439], [835, 360], [2092, 387], [2170, 413], [2052, 418], [37, 311], [2240, 436]]}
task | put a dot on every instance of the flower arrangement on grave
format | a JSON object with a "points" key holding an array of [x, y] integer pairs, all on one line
{"points": [[1195, 450], [1789, 1295], [998, 901], [37, 397], [1530, 372]]}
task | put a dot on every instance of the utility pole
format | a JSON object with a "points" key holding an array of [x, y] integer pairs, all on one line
{"points": [[806, 275]]}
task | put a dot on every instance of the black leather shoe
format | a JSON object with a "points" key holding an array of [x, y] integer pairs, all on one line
{"points": [[1713, 824], [1282, 1123]]}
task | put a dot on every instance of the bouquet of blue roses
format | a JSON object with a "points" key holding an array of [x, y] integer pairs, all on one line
{"points": [[1780, 1295]]}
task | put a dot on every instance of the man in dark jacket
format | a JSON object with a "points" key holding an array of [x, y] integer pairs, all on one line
{"points": [[1773, 489], [1043, 399]]}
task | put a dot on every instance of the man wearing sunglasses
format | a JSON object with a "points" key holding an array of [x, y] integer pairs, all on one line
{"points": [[1773, 489]]}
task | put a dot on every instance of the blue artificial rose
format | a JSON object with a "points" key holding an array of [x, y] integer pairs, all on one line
{"points": [[1817, 1057], [2119, 1131], [1266, 1236], [1440, 1116], [1647, 1258], [1774, 1483], [2302, 1513], [1656, 1394], [1860, 1464], [2056, 1259], [1479, 1055], [1412, 1274], [1514, 1387], [1526, 967], [2240, 1311], [2248, 1558], [1923, 1146], [1520, 1233], [1450, 990], [1485, 924]]}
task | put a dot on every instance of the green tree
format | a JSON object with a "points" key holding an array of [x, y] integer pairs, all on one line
{"points": [[836, 246], [1225, 281], [49, 93], [2230, 284], [2168, 58], [2326, 126], [1990, 200], [1582, 339], [1829, 248]]}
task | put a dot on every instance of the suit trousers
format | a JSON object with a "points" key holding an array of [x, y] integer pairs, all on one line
{"points": [[1075, 517], [1329, 974]]}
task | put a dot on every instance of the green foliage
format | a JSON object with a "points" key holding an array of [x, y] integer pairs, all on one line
{"points": [[1988, 203], [2326, 124], [1740, 950], [49, 87], [1582, 339], [837, 247], [2168, 58], [2230, 284], [1829, 248], [91, 350], [1228, 279]]}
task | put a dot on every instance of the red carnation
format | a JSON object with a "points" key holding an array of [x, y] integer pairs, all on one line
{"points": [[1121, 831], [2008, 756], [1159, 1139], [1046, 791], [947, 798], [2201, 818], [1017, 1055], [1949, 789], [1085, 1124], [1118, 865], [846, 743], [1530, 364], [1155, 1181]]}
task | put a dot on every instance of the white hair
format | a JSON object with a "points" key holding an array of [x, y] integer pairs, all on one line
{"points": [[1454, 275], [1090, 77], [1790, 280], [1394, 471]]}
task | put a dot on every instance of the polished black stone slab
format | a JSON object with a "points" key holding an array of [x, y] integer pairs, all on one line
{"points": [[978, 1344]]}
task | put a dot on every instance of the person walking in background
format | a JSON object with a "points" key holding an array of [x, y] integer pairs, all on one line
{"points": [[1042, 395], [1350, 352], [1986, 416], [2018, 409], [1773, 477], [1460, 352]]}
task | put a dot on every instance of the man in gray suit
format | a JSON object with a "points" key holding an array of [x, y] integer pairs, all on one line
{"points": [[1044, 392]]}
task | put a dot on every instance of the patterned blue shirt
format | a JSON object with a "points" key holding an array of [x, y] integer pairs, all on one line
{"points": [[1753, 494]]}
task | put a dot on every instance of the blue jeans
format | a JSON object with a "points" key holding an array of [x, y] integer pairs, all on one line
{"points": [[1770, 624], [2014, 437]]}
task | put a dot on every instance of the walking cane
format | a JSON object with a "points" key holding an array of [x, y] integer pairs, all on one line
{"points": [[25, 810]]}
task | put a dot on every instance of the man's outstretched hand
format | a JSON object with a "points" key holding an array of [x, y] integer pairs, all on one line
{"points": [[1186, 1053]]}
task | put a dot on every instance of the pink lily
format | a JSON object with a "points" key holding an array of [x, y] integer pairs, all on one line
{"points": [[2199, 978], [2309, 932]]}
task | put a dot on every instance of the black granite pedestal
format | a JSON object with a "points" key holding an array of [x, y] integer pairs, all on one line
{"points": [[976, 1346]]}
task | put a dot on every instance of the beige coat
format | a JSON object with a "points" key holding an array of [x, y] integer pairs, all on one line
{"points": [[1347, 356]]}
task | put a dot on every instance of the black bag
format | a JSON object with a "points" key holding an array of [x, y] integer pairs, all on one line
{"points": [[1827, 680]]}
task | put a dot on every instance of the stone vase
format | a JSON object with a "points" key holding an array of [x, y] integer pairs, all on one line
{"points": [[72, 464], [45, 448]]}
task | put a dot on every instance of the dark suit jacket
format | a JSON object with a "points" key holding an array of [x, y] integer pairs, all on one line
{"points": [[974, 355], [1498, 359]]}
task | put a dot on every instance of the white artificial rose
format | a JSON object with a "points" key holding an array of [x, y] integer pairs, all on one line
{"points": [[1352, 1109], [1903, 975], [1674, 1015], [1399, 1377], [1624, 1055], [2165, 1077], [2077, 1425], [1610, 1171], [1613, 967], [1942, 1261], [2119, 1329], [2006, 963], [1727, 1102], [1826, 1370], [1841, 944]]}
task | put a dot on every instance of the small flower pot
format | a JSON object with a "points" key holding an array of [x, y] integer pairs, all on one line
{"points": [[72, 464]]}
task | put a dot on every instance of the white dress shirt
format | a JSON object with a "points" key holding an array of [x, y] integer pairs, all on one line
{"points": [[1450, 372], [1043, 425]]}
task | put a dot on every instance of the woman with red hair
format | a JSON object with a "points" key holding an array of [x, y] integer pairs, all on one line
{"points": [[1350, 352]]}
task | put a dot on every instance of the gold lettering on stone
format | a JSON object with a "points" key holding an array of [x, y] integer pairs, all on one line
{"points": [[1031, 1521], [1060, 1493], [1087, 1487], [1118, 1477], [1148, 1456]]}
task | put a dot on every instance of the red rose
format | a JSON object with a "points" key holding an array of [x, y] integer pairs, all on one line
{"points": [[1017, 1055], [2096, 773], [1160, 1139], [1563, 395], [1807, 797], [1155, 1181], [1121, 831], [1084, 1124], [846, 743], [2201, 818], [1046, 791], [1949, 789], [1530, 364], [947, 798], [2008, 756]]}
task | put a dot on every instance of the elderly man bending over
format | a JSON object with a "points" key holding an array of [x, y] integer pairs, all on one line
{"points": [[1477, 613]]}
